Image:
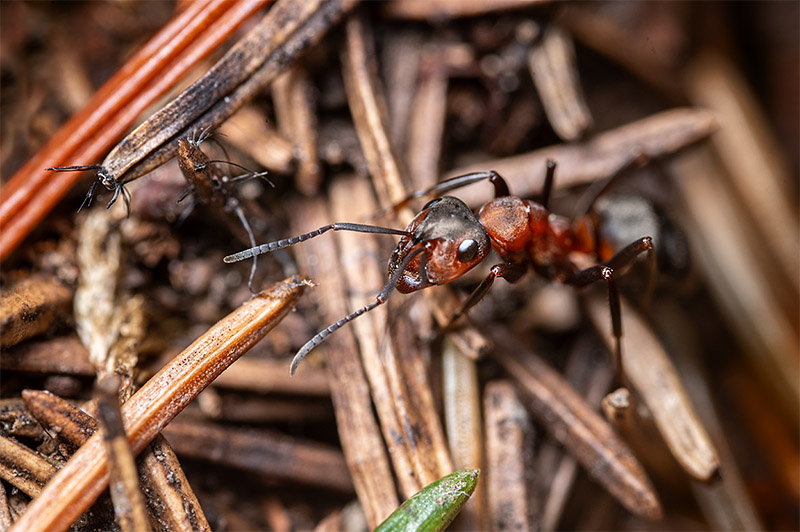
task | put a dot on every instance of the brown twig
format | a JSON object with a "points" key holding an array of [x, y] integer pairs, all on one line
{"points": [[265, 52], [654, 378], [294, 109], [567, 417], [597, 158], [258, 451], [171, 502], [157, 402], [129, 509], [64, 354], [31, 306], [23, 468]]}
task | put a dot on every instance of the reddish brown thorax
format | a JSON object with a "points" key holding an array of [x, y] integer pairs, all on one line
{"points": [[524, 231]]}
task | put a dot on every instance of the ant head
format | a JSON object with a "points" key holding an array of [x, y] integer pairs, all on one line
{"points": [[108, 180], [453, 239]]}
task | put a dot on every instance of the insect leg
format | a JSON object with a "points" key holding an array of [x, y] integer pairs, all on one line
{"points": [[511, 271], [606, 272]]}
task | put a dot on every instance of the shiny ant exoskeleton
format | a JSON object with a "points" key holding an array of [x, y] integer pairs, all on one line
{"points": [[446, 240]]}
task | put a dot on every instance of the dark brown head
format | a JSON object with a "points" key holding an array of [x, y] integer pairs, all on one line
{"points": [[453, 239]]}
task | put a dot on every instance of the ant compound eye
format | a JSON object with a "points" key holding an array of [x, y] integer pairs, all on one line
{"points": [[431, 202], [467, 250]]}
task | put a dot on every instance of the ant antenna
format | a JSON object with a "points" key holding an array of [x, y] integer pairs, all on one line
{"points": [[286, 242], [380, 299]]}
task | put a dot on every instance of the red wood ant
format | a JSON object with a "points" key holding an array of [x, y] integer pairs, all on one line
{"points": [[446, 239]]}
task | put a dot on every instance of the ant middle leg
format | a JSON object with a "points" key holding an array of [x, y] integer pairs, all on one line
{"points": [[605, 272], [511, 271]]}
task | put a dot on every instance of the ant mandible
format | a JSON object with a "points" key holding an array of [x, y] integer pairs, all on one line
{"points": [[446, 240]]}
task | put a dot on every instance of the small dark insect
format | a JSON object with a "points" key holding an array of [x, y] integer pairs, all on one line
{"points": [[107, 180], [446, 240], [210, 187]]}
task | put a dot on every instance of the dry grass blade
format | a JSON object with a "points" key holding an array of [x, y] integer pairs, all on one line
{"points": [[23, 468], [31, 307], [359, 432], [157, 402], [567, 417], [599, 157], [654, 378], [189, 37]]}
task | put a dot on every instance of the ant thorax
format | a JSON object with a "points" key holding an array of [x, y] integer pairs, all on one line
{"points": [[524, 231], [453, 239]]}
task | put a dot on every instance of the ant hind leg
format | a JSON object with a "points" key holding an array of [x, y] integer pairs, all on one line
{"points": [[606, 272]]}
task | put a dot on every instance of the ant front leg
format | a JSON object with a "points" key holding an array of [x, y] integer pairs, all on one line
{"points": [[511, 271]]}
